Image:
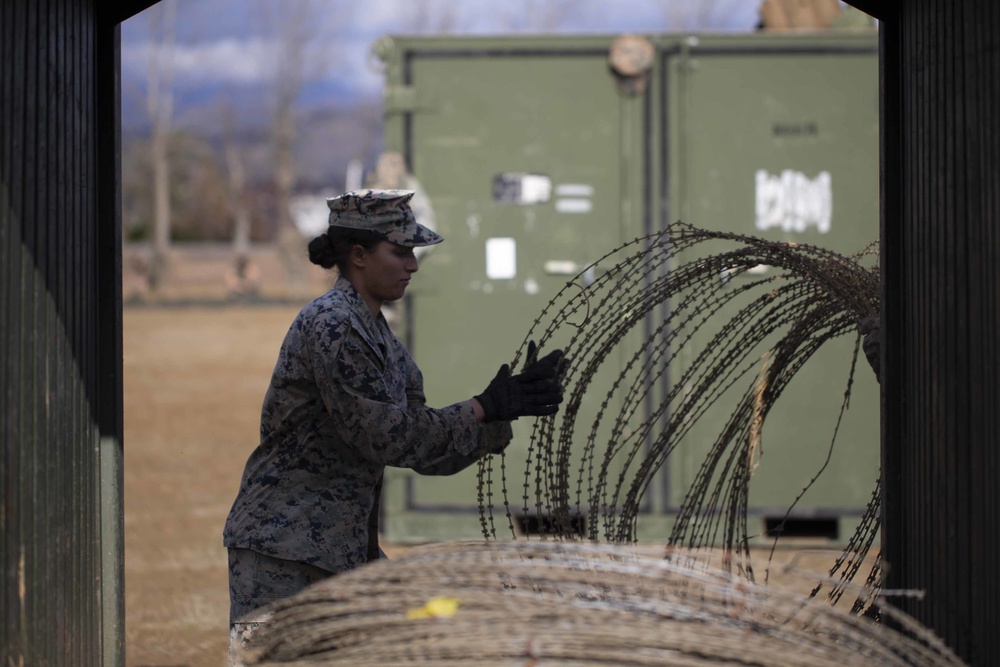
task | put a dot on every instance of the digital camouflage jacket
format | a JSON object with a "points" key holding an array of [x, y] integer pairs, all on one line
{"points": [[346, 399]]}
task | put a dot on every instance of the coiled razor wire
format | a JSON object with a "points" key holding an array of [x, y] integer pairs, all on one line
{"points": [[601, 598], [740, 315], [524, 603]]}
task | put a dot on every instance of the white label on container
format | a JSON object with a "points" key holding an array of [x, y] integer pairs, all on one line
{"points": [[574, 205], [793, 202], [574, 190], [521, 188], [535, 188], [561, 267], [501, 258]]}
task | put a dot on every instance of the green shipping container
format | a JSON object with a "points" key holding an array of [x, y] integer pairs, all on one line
{"points": [[539, 155]]}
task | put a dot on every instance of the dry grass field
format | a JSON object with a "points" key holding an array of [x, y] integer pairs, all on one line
{"points": [[194, 378]]}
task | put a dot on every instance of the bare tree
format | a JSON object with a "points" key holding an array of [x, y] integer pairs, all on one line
{"points": [[236, 171], [160, 106], [296, 26], [430, 17]]}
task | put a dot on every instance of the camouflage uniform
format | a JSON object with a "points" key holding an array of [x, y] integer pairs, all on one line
{"points": [[256, 579], [345, 400]]}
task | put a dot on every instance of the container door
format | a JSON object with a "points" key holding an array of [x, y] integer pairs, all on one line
{"points": [[530, 161], [783, 144]]}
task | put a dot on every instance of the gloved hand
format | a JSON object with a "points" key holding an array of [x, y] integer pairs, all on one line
{"points": [[536, 391], [871, 328]]}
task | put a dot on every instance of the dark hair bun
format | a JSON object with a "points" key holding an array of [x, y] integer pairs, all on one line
{"points": [[321, 251]]}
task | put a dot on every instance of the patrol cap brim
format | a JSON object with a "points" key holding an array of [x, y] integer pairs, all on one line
{"points": [[386, 213]]}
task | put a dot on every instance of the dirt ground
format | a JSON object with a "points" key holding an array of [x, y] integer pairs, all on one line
{"points": [[194, 378]]}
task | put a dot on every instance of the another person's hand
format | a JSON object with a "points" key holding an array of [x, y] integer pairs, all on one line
{"points": [[536, 391], [871, 328]]}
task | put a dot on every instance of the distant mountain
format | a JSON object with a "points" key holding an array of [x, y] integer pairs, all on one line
{"points": [[201, 107], [330, 138], [337, 129]]}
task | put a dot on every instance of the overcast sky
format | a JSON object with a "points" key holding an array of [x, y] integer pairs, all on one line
{"points": [[222, 42]]}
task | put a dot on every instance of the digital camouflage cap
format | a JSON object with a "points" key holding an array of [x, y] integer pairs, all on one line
{"points": [[385, 212]]}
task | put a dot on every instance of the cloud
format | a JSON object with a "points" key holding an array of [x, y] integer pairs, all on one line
{"points": [[228, 60], [218, 42]]}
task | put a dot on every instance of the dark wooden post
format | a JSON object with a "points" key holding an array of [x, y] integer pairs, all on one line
{"points": [[941, 315], [61, 546]]}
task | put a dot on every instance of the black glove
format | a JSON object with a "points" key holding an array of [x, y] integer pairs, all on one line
{"points": [[871, 328], [549, 367], [537, 391]]}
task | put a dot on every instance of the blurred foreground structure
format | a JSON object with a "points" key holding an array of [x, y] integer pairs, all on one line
{"points": [[60, 323], [587, 605]]}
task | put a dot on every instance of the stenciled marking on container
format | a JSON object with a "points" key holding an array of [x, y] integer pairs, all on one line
{"points": [[793, 202]]}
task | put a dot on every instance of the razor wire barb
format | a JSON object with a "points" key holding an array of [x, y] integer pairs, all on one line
{"points": [[658, 333]]}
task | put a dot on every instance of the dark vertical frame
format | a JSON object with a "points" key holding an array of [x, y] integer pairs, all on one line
{"points": [[107, 249], [60, 335], [941, 315]]}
